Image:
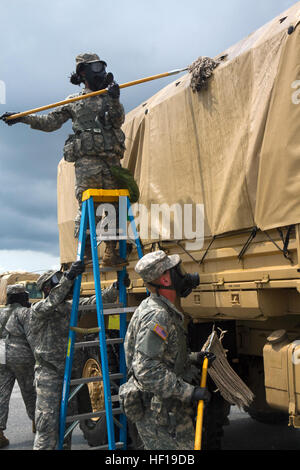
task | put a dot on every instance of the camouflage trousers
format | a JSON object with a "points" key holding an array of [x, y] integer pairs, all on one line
{"points": [[93, 172], [24, 374], [177, 432], [49, 392]]}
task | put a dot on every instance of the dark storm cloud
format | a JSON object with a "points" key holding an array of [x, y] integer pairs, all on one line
{"points": [[28, 209], [39, 41], [28, 214]]}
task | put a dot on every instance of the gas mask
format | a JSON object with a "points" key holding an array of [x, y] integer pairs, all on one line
{"points": [[55, 279], [51, 283], [22, 299], [94, 74], [182, 282]]}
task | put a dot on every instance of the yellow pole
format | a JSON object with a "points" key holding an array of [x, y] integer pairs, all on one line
{"points": [[200, 409], [94, 93]]}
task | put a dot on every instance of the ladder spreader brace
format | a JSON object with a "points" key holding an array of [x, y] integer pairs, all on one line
{"points": [[88, 214]]}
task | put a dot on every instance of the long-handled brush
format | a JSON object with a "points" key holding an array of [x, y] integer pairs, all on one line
{"points": [[200, 71]]}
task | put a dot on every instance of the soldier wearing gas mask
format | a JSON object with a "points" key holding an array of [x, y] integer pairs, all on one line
{"points": [[16, 355], [159, 364], [97, 142], [50, 320]]}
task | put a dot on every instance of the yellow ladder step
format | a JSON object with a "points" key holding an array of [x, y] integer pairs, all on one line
{"points": [[104, 195]]}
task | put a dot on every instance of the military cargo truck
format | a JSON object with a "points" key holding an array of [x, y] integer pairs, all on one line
{"points": [[231, 150], [20, 277]]}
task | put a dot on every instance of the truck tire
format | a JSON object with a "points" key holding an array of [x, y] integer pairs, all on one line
{"points": [[268, 417], [259, 409], [94, 430]]}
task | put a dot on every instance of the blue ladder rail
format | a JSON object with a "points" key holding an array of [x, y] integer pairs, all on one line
{"points": [[88, 214]]}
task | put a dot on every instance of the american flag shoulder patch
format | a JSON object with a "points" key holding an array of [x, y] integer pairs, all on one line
{"points": [[160, 331]]}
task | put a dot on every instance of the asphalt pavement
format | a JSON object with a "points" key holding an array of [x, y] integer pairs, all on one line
{"points": [[243, 433]]}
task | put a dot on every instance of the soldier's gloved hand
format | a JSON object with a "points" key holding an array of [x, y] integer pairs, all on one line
{"points": [[200, 393], [10, 122], [202, 355], [77, 268], [126, 282], [113, 90]]}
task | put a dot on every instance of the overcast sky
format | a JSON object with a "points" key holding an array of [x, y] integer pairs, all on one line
{"points": [[39, 42]]}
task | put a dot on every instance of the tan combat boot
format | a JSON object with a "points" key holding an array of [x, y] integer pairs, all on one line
{"points": [[111, 257], [3, 441]]}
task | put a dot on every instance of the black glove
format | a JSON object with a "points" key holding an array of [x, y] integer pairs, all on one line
{"points": [[113, 90], [205, 354], [126, 282], [77, 268], [200, 393], [10, 122]]}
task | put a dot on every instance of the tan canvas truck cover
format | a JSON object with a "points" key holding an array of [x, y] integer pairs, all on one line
{"points": [[233, 147]]}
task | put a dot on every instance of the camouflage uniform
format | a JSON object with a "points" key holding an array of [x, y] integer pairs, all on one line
{"points": [[14, 324], [97, 142], [50, 322], [157, 356]]}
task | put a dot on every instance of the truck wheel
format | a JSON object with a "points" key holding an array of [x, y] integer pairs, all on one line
{"points": [[94, 430], [271, 417], [259, 409]]}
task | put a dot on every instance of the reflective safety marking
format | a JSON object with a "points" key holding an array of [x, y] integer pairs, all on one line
{"points": [[69, 347], [78, 250]]}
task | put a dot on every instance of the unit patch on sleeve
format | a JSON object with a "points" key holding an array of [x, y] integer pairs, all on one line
{"points": [[160, 331]]}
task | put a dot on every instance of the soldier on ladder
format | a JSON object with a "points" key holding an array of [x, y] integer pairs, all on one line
{"points": [[89, 198], [97, 142], [96, 148]]}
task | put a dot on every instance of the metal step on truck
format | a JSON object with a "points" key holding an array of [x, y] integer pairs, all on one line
{"points": [[219, 178]]}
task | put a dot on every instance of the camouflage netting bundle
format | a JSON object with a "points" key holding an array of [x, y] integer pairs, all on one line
{"points": [[201, 70], [229, 384]]}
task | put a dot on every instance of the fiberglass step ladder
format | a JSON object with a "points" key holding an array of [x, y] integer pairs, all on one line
{"points": [[88, 214]]}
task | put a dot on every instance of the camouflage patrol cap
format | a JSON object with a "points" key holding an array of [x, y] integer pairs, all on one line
{"points": [[16, 289], [44, 278], [154, 264], [87, 58]]}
